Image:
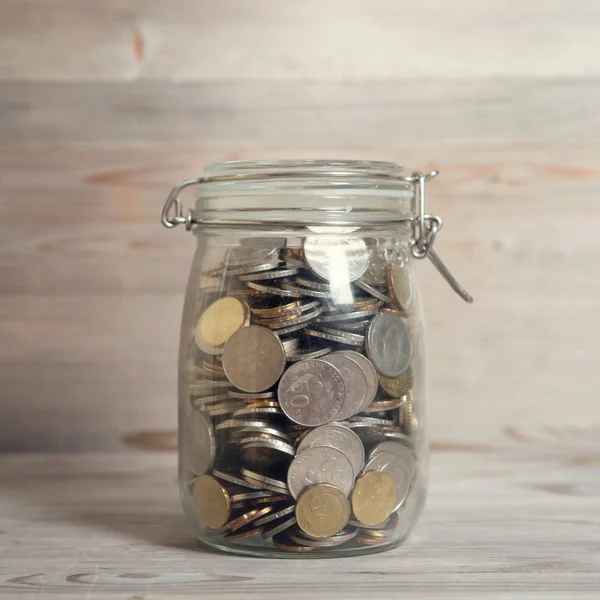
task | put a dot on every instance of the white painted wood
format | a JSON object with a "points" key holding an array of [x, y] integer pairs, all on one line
{"points": [[520, 524], [292, 115], [339, 40]]}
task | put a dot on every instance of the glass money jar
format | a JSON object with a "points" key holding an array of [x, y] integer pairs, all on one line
{"points": [[302, 381]]}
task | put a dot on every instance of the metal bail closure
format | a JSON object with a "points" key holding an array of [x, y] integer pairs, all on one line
{"points": [[172, 220], [425, 229]]}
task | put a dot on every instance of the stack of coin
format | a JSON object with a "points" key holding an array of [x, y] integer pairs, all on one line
{"points": [[300, 431]]}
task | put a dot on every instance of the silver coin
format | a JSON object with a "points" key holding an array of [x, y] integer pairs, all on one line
{"points": [[258, 411], [245, 271], [370, 374], [309, 354], [290, 329], [284, 512], [220, 410], [358, 327], [241, 423], [250, 396], [268, 533], [320, 464], [267, 486], [206, 400], [397, 436], [335, 257], [388, 344], [282, 485], [229, 478], [247, 256], [315, 285], [399, 464], [294, 262], [276, 274], [268, 430], [268, 289], [339, 437], [373, 291], [392, 447], [244, 496], [311, 392], [303, 318], [199, 446], [290, 344], [369, 434], [335, 540], [347, 316], [374, 421], [379, 258], [304, 291], [253, 358], [355, 381], [338, 336], [265, 453]]}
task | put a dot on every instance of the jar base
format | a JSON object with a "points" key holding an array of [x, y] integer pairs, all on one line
{"points": [[272, 552]]}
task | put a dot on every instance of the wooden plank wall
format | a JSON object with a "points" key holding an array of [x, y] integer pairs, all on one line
{"points": [[104, 104]]}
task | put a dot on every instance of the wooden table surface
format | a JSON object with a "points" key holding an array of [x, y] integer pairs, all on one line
{"points": [[106, 104], [514, 523]]}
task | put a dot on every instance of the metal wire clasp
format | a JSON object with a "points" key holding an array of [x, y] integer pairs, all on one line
{"points": [[425, 229], [172, 220]]}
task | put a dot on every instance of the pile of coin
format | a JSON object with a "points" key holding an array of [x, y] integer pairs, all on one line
{"points": [[300, 429]]}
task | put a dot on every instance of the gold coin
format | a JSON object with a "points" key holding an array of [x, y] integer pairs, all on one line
{"points": [[212, 501], [219, 322], [322, 510], [407, 418], [373, 498], [399, 281], [397, 386]]}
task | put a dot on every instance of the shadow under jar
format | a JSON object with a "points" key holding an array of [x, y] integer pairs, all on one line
{"points": [[302, 381]]}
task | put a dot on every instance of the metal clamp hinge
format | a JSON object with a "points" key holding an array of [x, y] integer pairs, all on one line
{"points": [[167, 218], [426, 228]]}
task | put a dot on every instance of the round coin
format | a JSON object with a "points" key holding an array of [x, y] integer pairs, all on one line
{"points": [[320, 464], [246, 256], [373, 498], [199, 446], [299, 291], [296, 320], [369, 371], [388, 344], [373, 291], [275, 528], [212, 502], [342, 337], [336, 540], [379, 259], [276, 274], [276, 515], [322, 511], [397, 386], [355, 381], [336, 258], [253, 358], [219, 322], [267, 289], [339, 437], [311, 392], [400, 284], [309, 354], [264, 479], [399, 463], [265, 453], [242, 534]]}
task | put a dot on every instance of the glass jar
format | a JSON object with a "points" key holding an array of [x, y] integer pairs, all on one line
{"points": [[302, 380]]}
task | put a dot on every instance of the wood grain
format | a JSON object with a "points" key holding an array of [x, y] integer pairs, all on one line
{"points": [[296, 41], [92, 291], [519, 524], [291, 115]]}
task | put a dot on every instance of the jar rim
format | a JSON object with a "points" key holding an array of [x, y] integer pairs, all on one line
{"points": [[302, 167]]}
